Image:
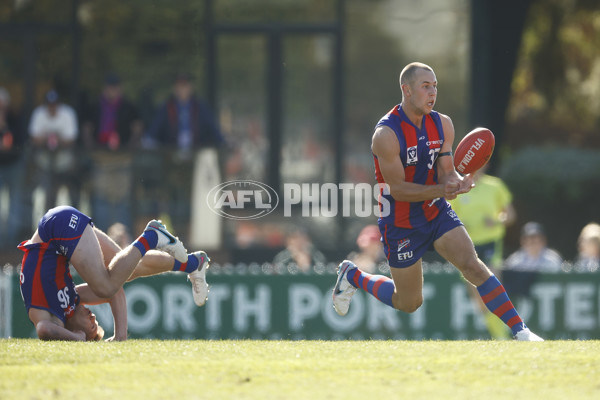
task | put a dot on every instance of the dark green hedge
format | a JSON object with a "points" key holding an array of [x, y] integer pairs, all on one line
{"points": [[559, 187]]}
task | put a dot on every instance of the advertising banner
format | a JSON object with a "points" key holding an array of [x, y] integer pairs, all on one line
{"points": [[558, 306]]}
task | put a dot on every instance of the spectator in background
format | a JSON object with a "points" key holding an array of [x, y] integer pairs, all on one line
{"points": [[112, 125], [114, 122], [183, 124], [53, 131], [588, 245], [486, 211], [370, 250], [534, 254], [521, 268], [11, 170], [299, 254]]}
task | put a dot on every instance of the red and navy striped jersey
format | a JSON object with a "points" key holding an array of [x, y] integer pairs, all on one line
{"points": [[419, 148], [46, 281]]}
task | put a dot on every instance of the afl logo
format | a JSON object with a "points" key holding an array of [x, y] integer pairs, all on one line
{"points": [[242, 199]]}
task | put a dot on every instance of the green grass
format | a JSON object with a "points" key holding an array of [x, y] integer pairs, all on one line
{"points": [[152, 369]]}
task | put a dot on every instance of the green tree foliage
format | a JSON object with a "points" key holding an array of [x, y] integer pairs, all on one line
{"points": [[556, 186], [556, 88], [147, 42]]}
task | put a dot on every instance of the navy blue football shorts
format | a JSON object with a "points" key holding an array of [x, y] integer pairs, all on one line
{"points": [[62, 228], [405, 246]]}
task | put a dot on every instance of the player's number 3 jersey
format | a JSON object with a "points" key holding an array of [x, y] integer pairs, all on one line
{"points": [[419, 149]]}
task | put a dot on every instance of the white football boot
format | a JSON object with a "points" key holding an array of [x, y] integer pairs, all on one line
{"points": [[525, 335], [343, 290], [198, 279], [167, 242]]}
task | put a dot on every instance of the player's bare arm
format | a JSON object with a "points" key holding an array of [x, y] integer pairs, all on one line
{"points": [[118, 306], [387, 149], [445, 164]]}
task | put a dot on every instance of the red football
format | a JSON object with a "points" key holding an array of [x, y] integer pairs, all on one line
{"points": [[474, 150]]}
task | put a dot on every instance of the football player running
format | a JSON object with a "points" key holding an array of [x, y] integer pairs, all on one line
{"points": [[412, 150]]}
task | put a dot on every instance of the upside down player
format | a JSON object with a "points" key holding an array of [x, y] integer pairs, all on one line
{"points": [[55, 306], [154, 262], [412, 149]]}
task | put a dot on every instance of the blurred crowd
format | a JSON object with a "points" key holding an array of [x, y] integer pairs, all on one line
{"points": [[86, 157], [124, 161]]}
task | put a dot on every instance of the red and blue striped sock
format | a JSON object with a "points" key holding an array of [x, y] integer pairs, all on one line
{"points": [[147, 241], [190, 266], [495, 298], [381, 287]]}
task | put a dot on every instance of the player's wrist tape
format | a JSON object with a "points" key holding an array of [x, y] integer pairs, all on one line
{"points": [[446, 153]]}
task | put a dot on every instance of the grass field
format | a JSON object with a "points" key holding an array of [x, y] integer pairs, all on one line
{"points": [[153, 369]]}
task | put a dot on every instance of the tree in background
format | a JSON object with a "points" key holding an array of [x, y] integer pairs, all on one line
{"points": [[556, 87]]}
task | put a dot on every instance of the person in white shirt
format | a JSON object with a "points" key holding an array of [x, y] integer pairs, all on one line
{"points": [[53, 124], [53, 132]]}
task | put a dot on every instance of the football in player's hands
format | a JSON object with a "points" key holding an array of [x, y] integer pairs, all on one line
{"points": [[474, 150]]}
